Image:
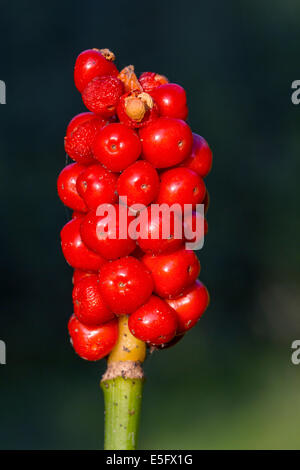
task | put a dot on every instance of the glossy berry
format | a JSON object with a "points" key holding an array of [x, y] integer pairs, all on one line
{"points": [[170, 344], [79, 119], [125, 285], [136, 109], [160, 233], [101, 95], [181, 186], [89, 306], [154, 322], [92, 342], [151, 80], [104, 235], [172, 272], [171, 101], [76, 253], [79, 274], [166, 142], [139, 183], [96, 186], [90, 64], [116, 147], [200, 159], [78, 215], [66, 187], [80, 137], [190, 306]]}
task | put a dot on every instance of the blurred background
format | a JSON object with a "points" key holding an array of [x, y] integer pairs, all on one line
{"points": [[230, 383]]}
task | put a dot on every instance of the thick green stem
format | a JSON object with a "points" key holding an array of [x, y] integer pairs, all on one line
{"points": [[122, 399]]}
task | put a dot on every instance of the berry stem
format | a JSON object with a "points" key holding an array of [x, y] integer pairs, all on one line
{"points": [[122, 385]]}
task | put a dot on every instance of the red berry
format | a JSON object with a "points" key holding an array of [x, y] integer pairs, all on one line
{"points": [[181, 186], [89, 306], [172, 272], [164, 233], [80, 136], [151, 80], [96, 186], [90, 64], [136, 109], [125, 284], [166, 142], [93, 342], [75, 251], [66, 187], [139, 183], [168, 345], [78, 120], [77, 215], [104, 235], [116, 146], [200, 159], [171, 101], [79, 274], [190, 306], [155, 322], [101, 95]]}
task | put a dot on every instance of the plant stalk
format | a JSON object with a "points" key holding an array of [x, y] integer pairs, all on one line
{"points": [[122, 385], [122, 398]]}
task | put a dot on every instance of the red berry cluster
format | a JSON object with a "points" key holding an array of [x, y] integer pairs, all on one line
{"points": [[133, 142]]}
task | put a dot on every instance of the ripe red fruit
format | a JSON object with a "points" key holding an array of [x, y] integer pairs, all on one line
{"points": [[90, 64], [116, 146], [151, 80], [139, 183], [79, 119], [200, 159], [155, 322], [136, 109], [170, 344], [166, 142], [101, 95], [164, 234], [89, 306], [66, 187], [190, 306], [78, 215], [104, 234], [96, 186], [76, 253], [171, 101], [125, 284], [93, 342], [79, 274], [181, 186], [172, 272], [80, 136]]}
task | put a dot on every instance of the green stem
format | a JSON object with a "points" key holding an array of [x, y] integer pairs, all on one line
{"points": [[122, 399]]}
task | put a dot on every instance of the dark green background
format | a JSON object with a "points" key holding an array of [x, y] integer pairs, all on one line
{"points": [[230, 383]]}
